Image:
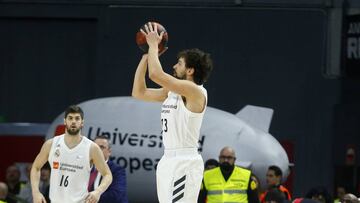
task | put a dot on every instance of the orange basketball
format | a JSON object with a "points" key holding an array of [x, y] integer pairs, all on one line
{"points": [[141, 40]]}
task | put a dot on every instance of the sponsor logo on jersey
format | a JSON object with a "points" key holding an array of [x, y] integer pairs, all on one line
{"points": [[55, 165], [57, 153]]}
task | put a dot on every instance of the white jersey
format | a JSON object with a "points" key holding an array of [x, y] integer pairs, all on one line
{"points": [[180, 126], [70, 171]]}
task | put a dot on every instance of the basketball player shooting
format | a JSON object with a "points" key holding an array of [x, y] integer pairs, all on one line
{"points": [[180, 170]]}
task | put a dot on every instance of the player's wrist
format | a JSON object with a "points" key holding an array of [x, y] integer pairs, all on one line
{"points": [[36, 192], [153, 50]]}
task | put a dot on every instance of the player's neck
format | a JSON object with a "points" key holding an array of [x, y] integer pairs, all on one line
{"points": [[190, 78], [72, 140]]}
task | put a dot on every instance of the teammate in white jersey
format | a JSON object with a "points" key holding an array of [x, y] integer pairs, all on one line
{"points": [[71, 156], [180, 170]]}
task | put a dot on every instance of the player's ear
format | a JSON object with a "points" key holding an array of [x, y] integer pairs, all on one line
{"points": [[190, 71]]}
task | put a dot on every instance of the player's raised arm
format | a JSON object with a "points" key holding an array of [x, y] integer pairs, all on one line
{"points": [[140, 89]]}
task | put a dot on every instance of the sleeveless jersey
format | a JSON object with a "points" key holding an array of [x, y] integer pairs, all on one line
{"points": [[70, 170], [180, 126]]}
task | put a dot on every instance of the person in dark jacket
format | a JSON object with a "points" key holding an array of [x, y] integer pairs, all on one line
{"points": [[116, 192]]}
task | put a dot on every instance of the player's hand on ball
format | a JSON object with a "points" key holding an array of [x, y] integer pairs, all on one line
{"points": [[152, 34]]}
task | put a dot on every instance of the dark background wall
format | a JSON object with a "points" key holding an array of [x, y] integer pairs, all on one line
{"points": [[273, 55]]}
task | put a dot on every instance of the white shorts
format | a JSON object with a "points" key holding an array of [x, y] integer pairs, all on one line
{"points": [[178, 176]]}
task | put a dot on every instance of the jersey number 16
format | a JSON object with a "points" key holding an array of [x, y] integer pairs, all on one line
{"points": [[64, 182]]}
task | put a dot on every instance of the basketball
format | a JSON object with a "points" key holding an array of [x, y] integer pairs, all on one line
{"points": [[141, 39]]}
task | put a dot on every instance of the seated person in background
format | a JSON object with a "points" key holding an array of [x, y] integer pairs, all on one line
{"points": [[210, 164], [340, 192], [25, 195], [116, 192], [273, 179], [350, 198], [25, 191], [45, 181], [304, 200], [274, 195], [13, 182], [319, 194], [3, 192]]}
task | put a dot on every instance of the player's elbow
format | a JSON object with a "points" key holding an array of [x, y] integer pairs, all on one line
{"points": [[137, 92]]}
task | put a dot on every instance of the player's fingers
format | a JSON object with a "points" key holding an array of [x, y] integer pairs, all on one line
{"points": [[155, 28], [142, 31], [148, 25], [162, 34], [146, 28], [151, 28]]}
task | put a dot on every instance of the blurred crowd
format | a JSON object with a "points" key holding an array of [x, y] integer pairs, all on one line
{"points": [[223, 181]]}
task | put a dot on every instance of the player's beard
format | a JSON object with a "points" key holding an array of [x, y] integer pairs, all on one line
{"points": [[181, 77], [72, 131]]}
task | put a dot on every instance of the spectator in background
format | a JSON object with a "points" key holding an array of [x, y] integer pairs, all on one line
{"points": [[257, 181], [304, 200], [340, 192], [3, 192], [13, 182], [273, 180], [319, 194], [44, 185], [221, 184], [116, 192], [274, 195], [210, 164], [25, 195], [350, 198], [25, 191]]}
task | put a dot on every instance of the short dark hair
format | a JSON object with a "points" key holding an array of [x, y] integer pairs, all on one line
{"points": [[200, 61], [276, 170], [105, 138], [211, 162], [74, 109]]}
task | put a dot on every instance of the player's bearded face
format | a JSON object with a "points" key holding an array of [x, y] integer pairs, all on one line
{"points": [[180, 69], [180, 75], [73, 124], [72, 130]]}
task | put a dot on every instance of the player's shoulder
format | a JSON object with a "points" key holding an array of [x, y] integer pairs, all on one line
{"points": [[49, 142], [94, 148], [56, 139]]}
